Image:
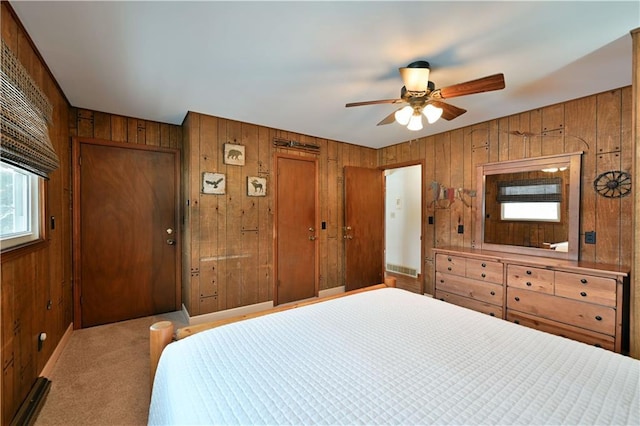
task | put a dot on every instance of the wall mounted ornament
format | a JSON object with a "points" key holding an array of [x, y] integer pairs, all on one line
{"points": [[213, 183], [256, 186], [234, 154], [613, 184], [444, 197]]}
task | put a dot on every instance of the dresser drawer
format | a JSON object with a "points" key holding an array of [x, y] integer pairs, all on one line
{"points": [[586, 288], [450, 264], [485, 270], [536, 279], [465, 302], [564, 330], [585, 315], [479, 290]]}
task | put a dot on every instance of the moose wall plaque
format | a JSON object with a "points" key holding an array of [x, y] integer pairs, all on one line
{"points": [[256, 186]]}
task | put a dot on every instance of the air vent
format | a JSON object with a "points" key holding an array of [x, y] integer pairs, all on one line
{"points": [[402, 270]]}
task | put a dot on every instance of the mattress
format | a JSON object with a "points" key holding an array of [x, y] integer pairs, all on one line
{"points": [[389, 356]]}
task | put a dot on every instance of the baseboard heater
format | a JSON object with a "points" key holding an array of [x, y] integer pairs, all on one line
{"points": [[404, 270], [32, 405]]}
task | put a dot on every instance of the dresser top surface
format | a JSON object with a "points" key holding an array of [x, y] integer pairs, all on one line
{"points": [[538, 261]]}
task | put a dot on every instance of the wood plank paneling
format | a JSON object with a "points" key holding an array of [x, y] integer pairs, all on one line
{"points": [[601, 125], [635, 198], [237, 230], [35, 293]]}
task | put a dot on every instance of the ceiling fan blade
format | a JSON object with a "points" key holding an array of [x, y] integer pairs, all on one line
{"points": [[382, 101], [485, 84], [449, 112], [388, 119]]}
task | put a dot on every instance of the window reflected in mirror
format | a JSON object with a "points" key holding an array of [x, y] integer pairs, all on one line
{"points": [[529, 208]]}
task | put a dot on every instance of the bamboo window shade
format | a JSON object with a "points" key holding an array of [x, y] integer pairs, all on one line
{"points": [[24, 114], [530, 190]]}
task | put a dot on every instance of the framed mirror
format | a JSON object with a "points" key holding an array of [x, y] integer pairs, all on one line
{"points": [[530, 206]]}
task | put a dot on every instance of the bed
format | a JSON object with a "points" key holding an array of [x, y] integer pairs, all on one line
{"points": [[388, 356]]}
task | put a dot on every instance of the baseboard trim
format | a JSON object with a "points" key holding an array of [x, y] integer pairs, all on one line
{"points": [[51, 362], [331, 291]]}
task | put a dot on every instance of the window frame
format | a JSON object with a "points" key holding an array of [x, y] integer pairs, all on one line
{"points": [[20, 243]]}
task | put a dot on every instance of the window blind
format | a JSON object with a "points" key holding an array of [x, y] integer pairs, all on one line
{"points": [[24, 114], [530, 190]]}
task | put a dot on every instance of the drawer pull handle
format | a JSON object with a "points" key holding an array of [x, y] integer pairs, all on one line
{"points": [[528, 283], [517, 299], [484, 265], [442, 298], [598, 318], [516, 321], [483, 275], [449, 259], [492, 314], [449, 268], [493, 293], [528, 272], [442, 281], [583, 294], [583, 281]]}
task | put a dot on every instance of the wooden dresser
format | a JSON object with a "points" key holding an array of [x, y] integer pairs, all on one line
{"points": [[579, 300]]}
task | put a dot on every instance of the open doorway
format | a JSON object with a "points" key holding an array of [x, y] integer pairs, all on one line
{"points": [[403, 226]]}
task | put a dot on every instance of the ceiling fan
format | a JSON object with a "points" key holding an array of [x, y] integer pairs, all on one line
{"points": [[424, 99]]}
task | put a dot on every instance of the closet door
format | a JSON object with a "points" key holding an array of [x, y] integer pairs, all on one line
{"points": [[296, 228]]}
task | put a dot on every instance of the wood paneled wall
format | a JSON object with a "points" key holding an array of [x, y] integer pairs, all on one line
{"points": [[635, 138], [100, 125], [228, 239], [36, 281], [36, 293], [600, 125]]}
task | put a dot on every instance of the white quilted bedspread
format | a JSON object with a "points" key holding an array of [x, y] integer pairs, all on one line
{"points": [[390, 357]]}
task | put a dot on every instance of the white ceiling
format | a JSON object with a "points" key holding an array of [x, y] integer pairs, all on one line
{"points": [[294, 65]]}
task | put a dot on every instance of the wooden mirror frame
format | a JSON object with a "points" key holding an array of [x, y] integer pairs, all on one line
{"points": [[571, 160]]}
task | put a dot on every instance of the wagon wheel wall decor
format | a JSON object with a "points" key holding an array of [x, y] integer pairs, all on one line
{"points": [[613, 184]]}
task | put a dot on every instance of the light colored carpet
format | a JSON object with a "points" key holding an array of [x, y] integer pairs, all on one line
{"points": [[102, 376]]}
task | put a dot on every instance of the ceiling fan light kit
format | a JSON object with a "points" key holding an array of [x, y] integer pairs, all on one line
{"points": [[403, 115], [424, 99], [432, 113], [415, 122]]}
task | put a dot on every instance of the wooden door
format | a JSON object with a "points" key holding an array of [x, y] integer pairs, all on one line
{"points": [[125, 232], [296, 228], [364, 227]]}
